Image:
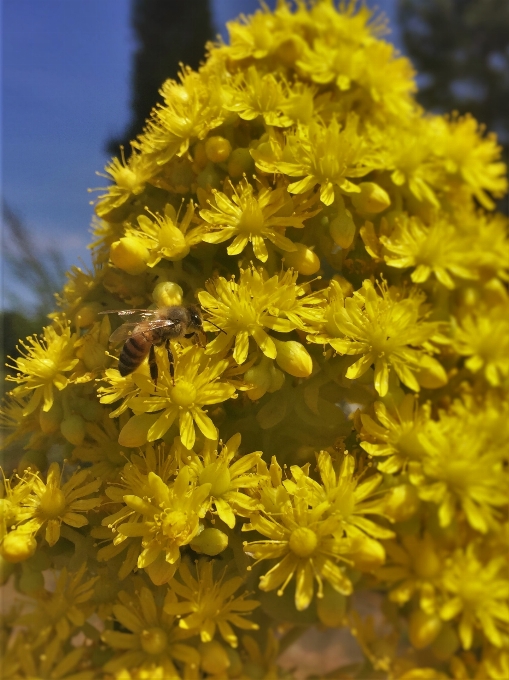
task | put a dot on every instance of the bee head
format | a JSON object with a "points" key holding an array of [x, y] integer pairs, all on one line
{"points": [[195, 320]]}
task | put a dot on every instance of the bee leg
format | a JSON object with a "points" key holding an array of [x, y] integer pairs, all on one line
{"points": [[199, 338], [152, 362], [170, 360]]}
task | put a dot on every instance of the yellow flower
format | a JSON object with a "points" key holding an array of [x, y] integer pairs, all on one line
{"points": [[227, 478], [251, 94], [243, 309], [396, 435], [195, 385], [439, 248], [164, 237], [306, 542], [478, 590], [250, 218], [207, 603], [65, 609], [129, 180], [189, 111], [414, 566], [472, 158], [389, 331], [462, 467], [42, 366], [54, 502], [324, 154], [170, 518], [101, 448], [483, 337], [153, 638]]}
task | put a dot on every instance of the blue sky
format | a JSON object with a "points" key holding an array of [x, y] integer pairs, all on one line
{"points": [[65, 92]]}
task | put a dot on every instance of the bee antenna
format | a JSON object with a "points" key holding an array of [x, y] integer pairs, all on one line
{"points": [[219, 329]]}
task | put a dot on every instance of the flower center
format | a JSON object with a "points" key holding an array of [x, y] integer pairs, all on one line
{"points": [[303, 541], [183, 394], [218, 476], [52, 503], [154, 640], [251, 221]]}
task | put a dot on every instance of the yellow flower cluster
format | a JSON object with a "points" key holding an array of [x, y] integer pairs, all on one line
{"points": [[317, 417]]}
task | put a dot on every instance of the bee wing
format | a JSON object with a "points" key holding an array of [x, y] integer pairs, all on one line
{"points": [[127, 329], [123, 332], [141, 313]]}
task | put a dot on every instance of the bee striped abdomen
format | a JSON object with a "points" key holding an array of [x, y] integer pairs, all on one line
{"points": [[135, 349]]}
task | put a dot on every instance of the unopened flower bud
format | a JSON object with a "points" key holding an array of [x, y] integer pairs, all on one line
{"points": [[87, 314], [423, 628], [210, 542], [372, 198], [367, 554], [73, 429], [304, 260], [446, 643], [293, 358], [342, 229], [264, 377], [240, 163], [49, 421], [214, 659], [35, 460], [200, 156], [167, 293], [217, 149], [331, 607], [401, 502], [130, 255], [17, 546], [427, 563], [209, 177]]}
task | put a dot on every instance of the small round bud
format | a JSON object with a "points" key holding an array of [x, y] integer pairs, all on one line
{"points": [[293, 358], [423, 628], [304, 260], [210, 542], [209, 177], [401, 502], [342, 229], [87, 314], [167, 293], [36, 460], [49, 421], [427, 563], [367, 554], [214, 658], [129, 254], [73, 429], [17, 546], [240, 163], [90, 409], [372, 198], [217, 149], [200, 156], [446, 643]]}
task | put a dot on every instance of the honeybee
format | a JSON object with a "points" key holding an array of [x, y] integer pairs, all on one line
{"points": [[154, 327]]}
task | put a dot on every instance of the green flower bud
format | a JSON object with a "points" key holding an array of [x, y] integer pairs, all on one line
{"points": [[372, 198], [240, 163], [214, 658], [87, 314], [304, 260], [129, 254], [217, 149], [342, 229], [209, 178], [17, 546], [331, 608], [30, 582], [73, 429], [167, 293], [423, 628], [49, 421], [293, 358], [401, 502], [210, 542]]}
